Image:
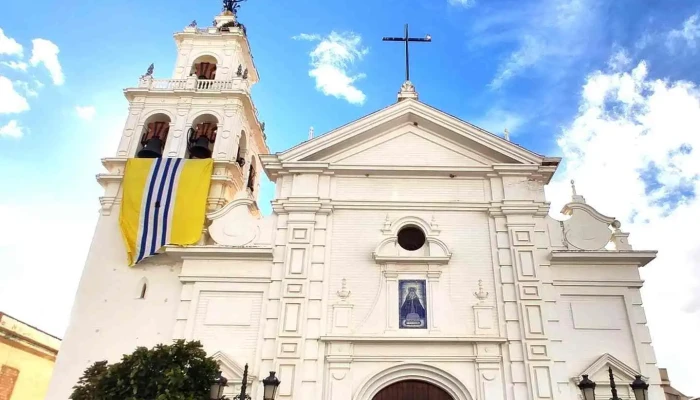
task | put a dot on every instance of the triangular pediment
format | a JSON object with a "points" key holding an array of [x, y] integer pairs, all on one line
{"points": [[233, 372], [598, 371], [410, 132], [407, 145]]}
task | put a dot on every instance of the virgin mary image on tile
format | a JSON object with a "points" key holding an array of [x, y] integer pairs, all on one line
{"points": [[412, 299]]}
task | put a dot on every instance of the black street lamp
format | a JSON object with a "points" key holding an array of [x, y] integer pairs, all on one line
{"points": [[587, 387], [639, 387], [217, 389], [270, 385]]}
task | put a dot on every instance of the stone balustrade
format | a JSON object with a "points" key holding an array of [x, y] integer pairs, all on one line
{"points": [[194, 84]]}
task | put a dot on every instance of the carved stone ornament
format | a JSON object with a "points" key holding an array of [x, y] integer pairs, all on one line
{"points": [[587, 229], [481, 294], [343, 293], [233, 225]]}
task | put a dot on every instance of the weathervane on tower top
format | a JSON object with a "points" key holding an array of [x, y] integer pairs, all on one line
{"points": [[232, 6]]}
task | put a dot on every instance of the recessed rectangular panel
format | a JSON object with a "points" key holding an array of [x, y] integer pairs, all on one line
{"points": [[342, 317], [484, 318], [299, 234], [296, 261], [598, 315], [526, 261], [294, 288], [543, 382], [288, 348], [533, 315], [230, 310], [291, 317], [286, 377]]}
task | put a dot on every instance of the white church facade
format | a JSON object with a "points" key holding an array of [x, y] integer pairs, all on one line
{"points": [[407, 250]]}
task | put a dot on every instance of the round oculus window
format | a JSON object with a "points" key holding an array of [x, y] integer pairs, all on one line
{"points": [[411, 238]]}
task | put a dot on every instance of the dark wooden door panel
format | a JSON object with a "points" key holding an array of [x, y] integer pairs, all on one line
{"points": [[412, 390]]}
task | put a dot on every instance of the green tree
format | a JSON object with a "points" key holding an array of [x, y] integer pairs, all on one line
{"points": [[181, 371]]}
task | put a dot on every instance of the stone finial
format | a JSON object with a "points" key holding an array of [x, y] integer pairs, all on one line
{"points": [[343, 293], [506, 134], [575, 197], [481, 295], [311, 133], [408, 91], [433, 223], [387, 223], [620, 239]]}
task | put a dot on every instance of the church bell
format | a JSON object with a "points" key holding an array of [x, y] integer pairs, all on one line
{"points": [[200, 148], [153, 148]]}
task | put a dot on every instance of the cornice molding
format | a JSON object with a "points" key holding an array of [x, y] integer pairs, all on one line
{"points": [[219, 253], [404, 339], [639, 258]]}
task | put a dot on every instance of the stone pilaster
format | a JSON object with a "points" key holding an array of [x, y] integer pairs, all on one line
{"points": [[299, 273]]}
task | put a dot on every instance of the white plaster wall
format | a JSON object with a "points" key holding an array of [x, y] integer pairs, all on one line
{"points": [[356, 233], [594, 325], [408, 189], [108, 319]]}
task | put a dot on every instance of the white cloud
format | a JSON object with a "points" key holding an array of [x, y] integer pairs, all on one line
{"points": [[26, 88], [531, 50], [87, 112], [9, 46], [619, 60], [331, 61], [462, 3], [12, 129], [552, 34], [307, 36], [633, 151], [46, 52], [11, 102], [18, 65], [688, 34]]}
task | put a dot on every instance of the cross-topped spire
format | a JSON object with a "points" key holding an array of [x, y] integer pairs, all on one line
{"points": [[407, 39]]}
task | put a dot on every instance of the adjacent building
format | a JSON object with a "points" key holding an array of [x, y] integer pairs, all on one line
{"points": [[27, 358]]}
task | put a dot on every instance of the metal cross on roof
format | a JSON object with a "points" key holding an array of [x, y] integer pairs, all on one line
{"points": [[407, 39]]}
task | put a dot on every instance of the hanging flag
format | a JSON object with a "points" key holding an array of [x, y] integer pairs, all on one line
{"points": [[164, 202]]}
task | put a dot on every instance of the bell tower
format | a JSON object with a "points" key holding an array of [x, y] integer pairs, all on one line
{"points": [[204, 110]]}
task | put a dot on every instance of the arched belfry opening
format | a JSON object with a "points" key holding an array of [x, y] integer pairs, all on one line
{"points": [[242, 149], [153, 137], [201, 136], [251, 175], [204, 67], [412, 390]]}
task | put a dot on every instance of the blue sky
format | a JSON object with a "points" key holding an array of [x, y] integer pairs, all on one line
{"points": [[609, 85]]}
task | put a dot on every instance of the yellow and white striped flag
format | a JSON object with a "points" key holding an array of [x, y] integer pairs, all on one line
{"points": [[164, 202]]}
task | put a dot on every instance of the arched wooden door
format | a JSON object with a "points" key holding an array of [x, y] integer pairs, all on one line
{"points": [[412, 390]]}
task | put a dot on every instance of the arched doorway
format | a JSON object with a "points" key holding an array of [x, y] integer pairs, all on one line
{"points": [[412, 390]]}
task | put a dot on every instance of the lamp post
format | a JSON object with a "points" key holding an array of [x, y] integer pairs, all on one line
{"points": [[244, 385], [639, 387], [217, 389], [270, 385]]}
